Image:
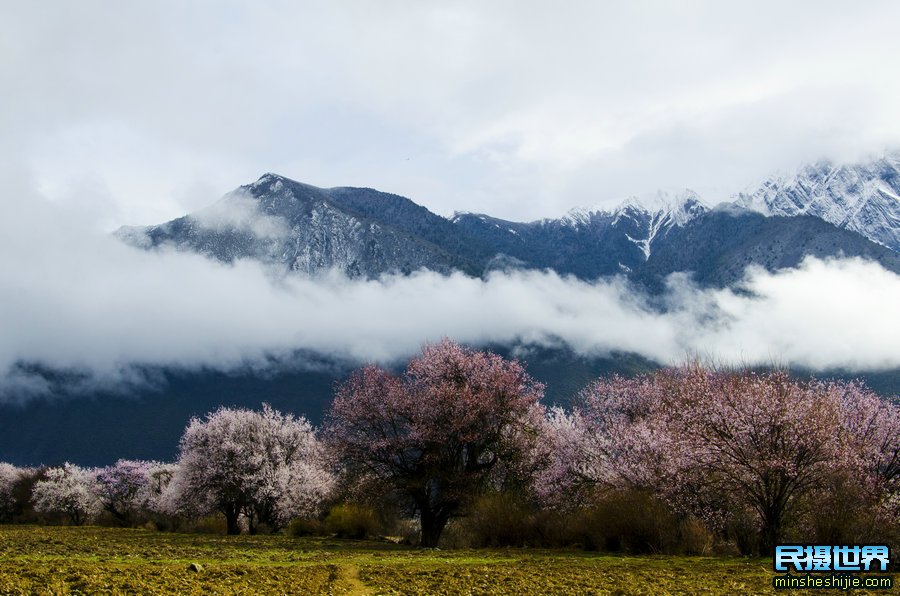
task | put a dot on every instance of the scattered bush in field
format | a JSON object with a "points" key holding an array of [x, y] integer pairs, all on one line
{"points": [[210, 524], [500, 519], [842, 510], [615, 520], [434, 435], [305, 527], [742, 528], [626, 521], [837, 511], [69, 490], [264, 466], [353, 521], [694, 538]]}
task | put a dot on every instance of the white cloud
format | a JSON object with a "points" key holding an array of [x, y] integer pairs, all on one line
{"points": [[520, 109], [240, 211], [75, 299], [134, 113]]}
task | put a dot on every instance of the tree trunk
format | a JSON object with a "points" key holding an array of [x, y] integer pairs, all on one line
{"points": [[771, 531], [231, 520], [76, 518], [433, 525], [121, 518]]}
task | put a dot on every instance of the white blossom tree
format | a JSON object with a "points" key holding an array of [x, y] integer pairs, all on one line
{"points": [[614, 437], [155, 496], [70, 490], [265, 466], [10, 476]]}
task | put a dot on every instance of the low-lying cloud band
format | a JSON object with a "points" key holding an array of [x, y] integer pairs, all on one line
{"points": [[75, 300]]}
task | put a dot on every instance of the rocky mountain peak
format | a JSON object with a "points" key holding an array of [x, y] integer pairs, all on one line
{"points": [[863, 197], [361, 232]]}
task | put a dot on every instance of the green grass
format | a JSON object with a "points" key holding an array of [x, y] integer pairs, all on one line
{"points": [[92, 560]]}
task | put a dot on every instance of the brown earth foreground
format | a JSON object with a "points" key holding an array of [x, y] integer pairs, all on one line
{"points": [[93, 560]]}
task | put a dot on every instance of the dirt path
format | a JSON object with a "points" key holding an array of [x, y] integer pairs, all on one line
{"points": [[348, 576]]}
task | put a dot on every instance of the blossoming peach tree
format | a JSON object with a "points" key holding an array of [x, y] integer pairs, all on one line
{"points": [[434, 435], [710, 443]]}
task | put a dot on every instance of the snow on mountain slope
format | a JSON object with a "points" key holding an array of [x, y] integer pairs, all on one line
{"points": [[644, 219], [298, 227], [862, 197], [295, 227]]}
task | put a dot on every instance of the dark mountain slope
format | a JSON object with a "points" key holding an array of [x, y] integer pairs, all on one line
{"points": [[718, 246], [301, 228], [99, 428], [366, 233]]}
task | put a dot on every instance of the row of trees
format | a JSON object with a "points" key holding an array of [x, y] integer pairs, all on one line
{"points": [[717, 445], [252, 467], [710, 448]]}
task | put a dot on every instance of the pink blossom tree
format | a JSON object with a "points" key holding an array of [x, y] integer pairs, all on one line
{"points": [[265, 466], [70, 490], [713, 443], [614, 437], [870, 435], [434, 435], [764, 439]]}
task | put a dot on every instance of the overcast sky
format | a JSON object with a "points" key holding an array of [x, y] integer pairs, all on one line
{"points": [[136, 112], [119, 112]]}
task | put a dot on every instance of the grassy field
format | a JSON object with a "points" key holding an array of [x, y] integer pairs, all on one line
{"points": [[91, 560]]}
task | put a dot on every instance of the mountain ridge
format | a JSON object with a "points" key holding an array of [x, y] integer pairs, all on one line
{"points": [[299, 228], [862, 197], [367, 233]]}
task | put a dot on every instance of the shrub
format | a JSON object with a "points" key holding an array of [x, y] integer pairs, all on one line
{"points": [[507, 519], [353, 521], [305, 527], [499, 519], [211, 524], [744, 531], [618, 521], [626, 521], [695, 538]]}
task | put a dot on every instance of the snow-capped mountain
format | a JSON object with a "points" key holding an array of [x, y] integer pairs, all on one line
{"points": [[863, 197], [295, 227], [674, 208], [302, 228], [644, 219]]}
